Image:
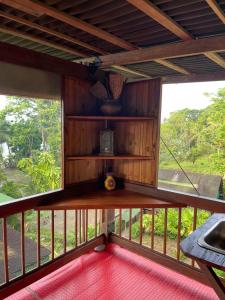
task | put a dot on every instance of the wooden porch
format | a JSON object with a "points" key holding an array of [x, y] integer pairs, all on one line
{"points": [[75, 45]]}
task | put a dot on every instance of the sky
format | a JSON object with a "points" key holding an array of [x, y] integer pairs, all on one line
{"points": [[187, 95]]}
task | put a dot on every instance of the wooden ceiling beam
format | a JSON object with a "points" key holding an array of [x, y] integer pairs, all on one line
{"points": [[217, 9], [77, 23], [216, 58], [181, 49], [160, 17], [62, 36], [41, 41], [172, 66], [130, 71], [28, 9], [51, 31]]}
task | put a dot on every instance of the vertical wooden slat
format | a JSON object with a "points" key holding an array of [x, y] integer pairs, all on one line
{"points": [[22, 244], [80, 233], [86, 226], [153, 229], [53, 234], [165, 231], [83, 225], [38, 239], [179, 233], [141, 225], [96, 223], [5, 246], [194, 227], [120, 221], [65, 231], [130, 223], [76, 228]]}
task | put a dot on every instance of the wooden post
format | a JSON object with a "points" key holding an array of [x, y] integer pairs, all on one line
{"points": [[107, 218]]}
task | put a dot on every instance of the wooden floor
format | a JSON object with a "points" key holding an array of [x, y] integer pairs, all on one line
{"points": [[115, 274]]}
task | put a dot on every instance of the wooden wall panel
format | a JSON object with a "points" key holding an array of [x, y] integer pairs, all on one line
{"points": [[140, 138], [83, 137], [78, 99], [80, 137], [82, 170]]}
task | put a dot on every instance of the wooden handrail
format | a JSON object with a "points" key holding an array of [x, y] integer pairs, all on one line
{"points": [[201, 202]]}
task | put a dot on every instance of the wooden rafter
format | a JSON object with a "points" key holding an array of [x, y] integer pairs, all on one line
{"points": [[130, 71], [69, 39], [159, 16], [51, 31], [77, 23], [181, 49], [216, 58], [170, 65], [41, 41], [68, 19], [217, 9], [25, 8]]}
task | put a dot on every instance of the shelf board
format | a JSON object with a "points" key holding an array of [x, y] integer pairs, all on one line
{"points": [[116, 157], [112, 118], [115, 199]]}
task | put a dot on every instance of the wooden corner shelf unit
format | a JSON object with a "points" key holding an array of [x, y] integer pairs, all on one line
{"points": [[136, 133]]}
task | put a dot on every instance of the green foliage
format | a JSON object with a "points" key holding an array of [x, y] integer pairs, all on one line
{"points": [[172, 222], [42, 169], [135, 230], [11, 189], [196, 138]]}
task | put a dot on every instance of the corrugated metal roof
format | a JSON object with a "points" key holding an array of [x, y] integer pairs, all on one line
{"points": [[125, 21]]}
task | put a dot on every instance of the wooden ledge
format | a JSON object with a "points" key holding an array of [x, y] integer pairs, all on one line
{"points": [[104, 199]]}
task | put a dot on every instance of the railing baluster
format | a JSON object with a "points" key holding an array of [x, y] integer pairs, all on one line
{"points": [[53, 234], [165, 231], [5, 246], [83, 226], [153, 229], [22, 244], [130, 223], [120, 221], [96, 224], [80, 227], [141, 224], [38, 239], [86, 226], [194, 227], [179, 233], [76, 228], [65, 233]]}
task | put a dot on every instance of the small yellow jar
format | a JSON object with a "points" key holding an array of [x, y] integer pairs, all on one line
{"points": [[110, 183]]}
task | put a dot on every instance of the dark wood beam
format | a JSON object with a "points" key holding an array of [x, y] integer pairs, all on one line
{"points": [[159, 16], [29, 58], [181, 49], [75, 22], [51, 31], [28, 9]]}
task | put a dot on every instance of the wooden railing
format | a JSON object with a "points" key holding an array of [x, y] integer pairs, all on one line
{"points": [[34, 241], [54, 241]]}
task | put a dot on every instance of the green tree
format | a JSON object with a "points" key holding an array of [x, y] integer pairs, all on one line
{"points": [[42, 169]]}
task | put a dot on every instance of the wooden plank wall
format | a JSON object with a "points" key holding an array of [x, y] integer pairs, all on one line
{"points": [[140, 138], [80, 137]]}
